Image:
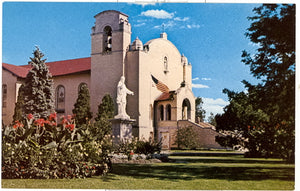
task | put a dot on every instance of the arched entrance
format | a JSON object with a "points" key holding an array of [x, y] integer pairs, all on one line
{"points": [[186, 109]]}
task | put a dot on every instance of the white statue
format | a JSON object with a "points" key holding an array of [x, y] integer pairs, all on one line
{"points": [[122, 92]]}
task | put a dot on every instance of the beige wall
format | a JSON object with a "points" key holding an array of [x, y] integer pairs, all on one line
{"points": [[71, 84], [107, 68], [185, 93], [12, 82]]}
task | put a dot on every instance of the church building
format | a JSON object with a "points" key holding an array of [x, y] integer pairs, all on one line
{"points": [[158, 74]]}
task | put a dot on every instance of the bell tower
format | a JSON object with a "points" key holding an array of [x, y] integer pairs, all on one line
{"points": [[111, 37]]}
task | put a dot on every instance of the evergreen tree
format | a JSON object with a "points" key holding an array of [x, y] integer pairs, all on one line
{"points": [[105, 112], [106, 108], [82, 108], [18, 112], [38, 88], [200, 112]]}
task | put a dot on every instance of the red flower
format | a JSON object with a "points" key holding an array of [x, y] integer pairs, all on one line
{"points": [[64, 121], [30, 116], [17, 124], [52, 117], [70, 126], [69, 117], [40, 122]]}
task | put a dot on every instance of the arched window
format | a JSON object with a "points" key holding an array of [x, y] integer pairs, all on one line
{"points": [[107, 39], [166, 64], [60, 99], [186, 109], [161, 112], [168, 112], [4, 95], [81, 85]]}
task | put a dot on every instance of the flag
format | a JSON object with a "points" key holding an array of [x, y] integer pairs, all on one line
{"points": [[160, 86]]}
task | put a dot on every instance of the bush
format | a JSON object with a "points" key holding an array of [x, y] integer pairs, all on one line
{"points": [[233, 139], [42, 149], [186, 138], [135, 146]]}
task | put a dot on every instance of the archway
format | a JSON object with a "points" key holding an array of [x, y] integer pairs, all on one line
{"points": [[186, 109]]}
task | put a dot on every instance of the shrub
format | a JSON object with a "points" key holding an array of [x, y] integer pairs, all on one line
{"points": [[136, 146], [187, 138], [233, 139], [42, 149]]}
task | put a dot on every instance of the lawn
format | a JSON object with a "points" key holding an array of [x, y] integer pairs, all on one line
{"points": [[183, 172]]}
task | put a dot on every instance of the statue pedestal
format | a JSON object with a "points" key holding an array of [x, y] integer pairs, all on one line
{"points": [[122, 129]]}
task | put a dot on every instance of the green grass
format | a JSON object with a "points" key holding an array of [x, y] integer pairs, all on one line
{"points": [[201, 173]]}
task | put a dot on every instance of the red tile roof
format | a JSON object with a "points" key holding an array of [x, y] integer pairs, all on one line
{"points": [[16, 70], [166, 96], [57, 68]]}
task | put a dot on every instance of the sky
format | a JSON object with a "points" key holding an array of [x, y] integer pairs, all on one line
{"points": [[210, 35]]}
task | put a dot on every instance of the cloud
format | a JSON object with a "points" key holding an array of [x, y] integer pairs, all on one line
{"points": [[206, 79], [166, 25], [139, 25], [193, 26], [181, 19], [214, 106], [144, 3], [158, 14], [217, 101], [199, 86], [195, 79]]}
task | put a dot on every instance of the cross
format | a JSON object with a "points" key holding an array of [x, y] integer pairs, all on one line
{"points": [[163, 27]]}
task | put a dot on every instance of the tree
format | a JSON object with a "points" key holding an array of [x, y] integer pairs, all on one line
{"points": [[105, 112], [38, 88], [266, 113], [18, 112], [211, 119], [82, 108], [106, 108], [200, 112]]}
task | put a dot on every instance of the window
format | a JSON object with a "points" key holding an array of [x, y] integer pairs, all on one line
{"points": [[107, 39], [168, 112], [165, 64], [4, 95], [60, 99], [161, 113]]}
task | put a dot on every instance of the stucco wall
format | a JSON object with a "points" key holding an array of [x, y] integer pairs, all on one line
{"points": [[11, 98], [71, 84], [107, 68]]}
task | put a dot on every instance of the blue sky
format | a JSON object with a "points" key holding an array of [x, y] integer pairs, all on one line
{"points": [[211, 36]]}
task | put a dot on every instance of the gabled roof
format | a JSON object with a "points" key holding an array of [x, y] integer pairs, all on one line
{"points": [[57, 68]]}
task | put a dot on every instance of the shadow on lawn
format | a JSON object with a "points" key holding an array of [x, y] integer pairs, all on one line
{"points": [[175, 172], [226, 160]]}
